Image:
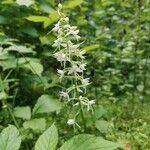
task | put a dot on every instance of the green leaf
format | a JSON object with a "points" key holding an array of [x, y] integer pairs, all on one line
{"points": [[25, 2], [45, 6], [91, 47], [100, 111], [3, 20], [89, 142], [22, 112], [102, 126], [20, 49], [8, 63], [28, 30], [47, 39], [140, 88], [72, 4], [10, 139], [37, 18], [7, 2], [53, 17], [32, 64], [35, 124], [107, 2], [46, 104], [48, 140]]}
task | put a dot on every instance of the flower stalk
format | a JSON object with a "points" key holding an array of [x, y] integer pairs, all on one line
{"points": [[71, 58]]}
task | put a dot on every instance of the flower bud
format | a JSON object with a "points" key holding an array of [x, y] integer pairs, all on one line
{"points": [[60, 6]]}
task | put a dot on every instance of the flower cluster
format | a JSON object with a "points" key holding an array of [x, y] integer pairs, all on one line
{"points": [[70, 56]]}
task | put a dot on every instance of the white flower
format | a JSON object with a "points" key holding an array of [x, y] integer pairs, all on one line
{"points": [[60, 56], [64, 95], [80, 97], [66, 26], [75, 68], [66, 19], [79, 90], [73, 48], [71, 122], [60, 6], [90, 103], [85, 101], [85, 82], [73, 31], [57, 27], [82, 67], [81, 53], [58, 42], [61, 72]]}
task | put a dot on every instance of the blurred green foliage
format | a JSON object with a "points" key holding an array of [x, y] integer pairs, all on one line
{"points": [[116, 35]]}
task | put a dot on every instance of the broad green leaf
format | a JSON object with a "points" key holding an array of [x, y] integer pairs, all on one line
{"points": [[53, 17], [51, 2], [45, 6], [140, 88], [102, 126], [22, 112], [99, 112], [7, 41], [32, 64], [48, 140], [37, 18], [3, 20], [28, 30], [47, 39], [8, 63], [25, 2], [107, 2], [89, 142], [35, 124], [72, 4], [91, 47], [8, 2], [10, 139], [46, 104], [20, 49]]}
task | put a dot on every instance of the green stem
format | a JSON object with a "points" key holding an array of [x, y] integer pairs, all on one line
{"points": [[81, 108], [12, 116], [82, 115]]}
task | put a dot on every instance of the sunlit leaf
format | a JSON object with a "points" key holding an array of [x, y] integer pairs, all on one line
{"points": [[102, 126], [25, 2], [72, 4], [22, 112], [35, 124], [89, 142], [20, 49], [48, 140], [10, 139], [37, 18], [47, 104], [32, 64]]}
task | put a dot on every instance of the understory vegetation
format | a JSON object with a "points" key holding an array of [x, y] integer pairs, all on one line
{"points": [[75, 74]]}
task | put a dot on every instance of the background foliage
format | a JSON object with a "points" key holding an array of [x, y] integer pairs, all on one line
{"points": [[116, 36]]}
